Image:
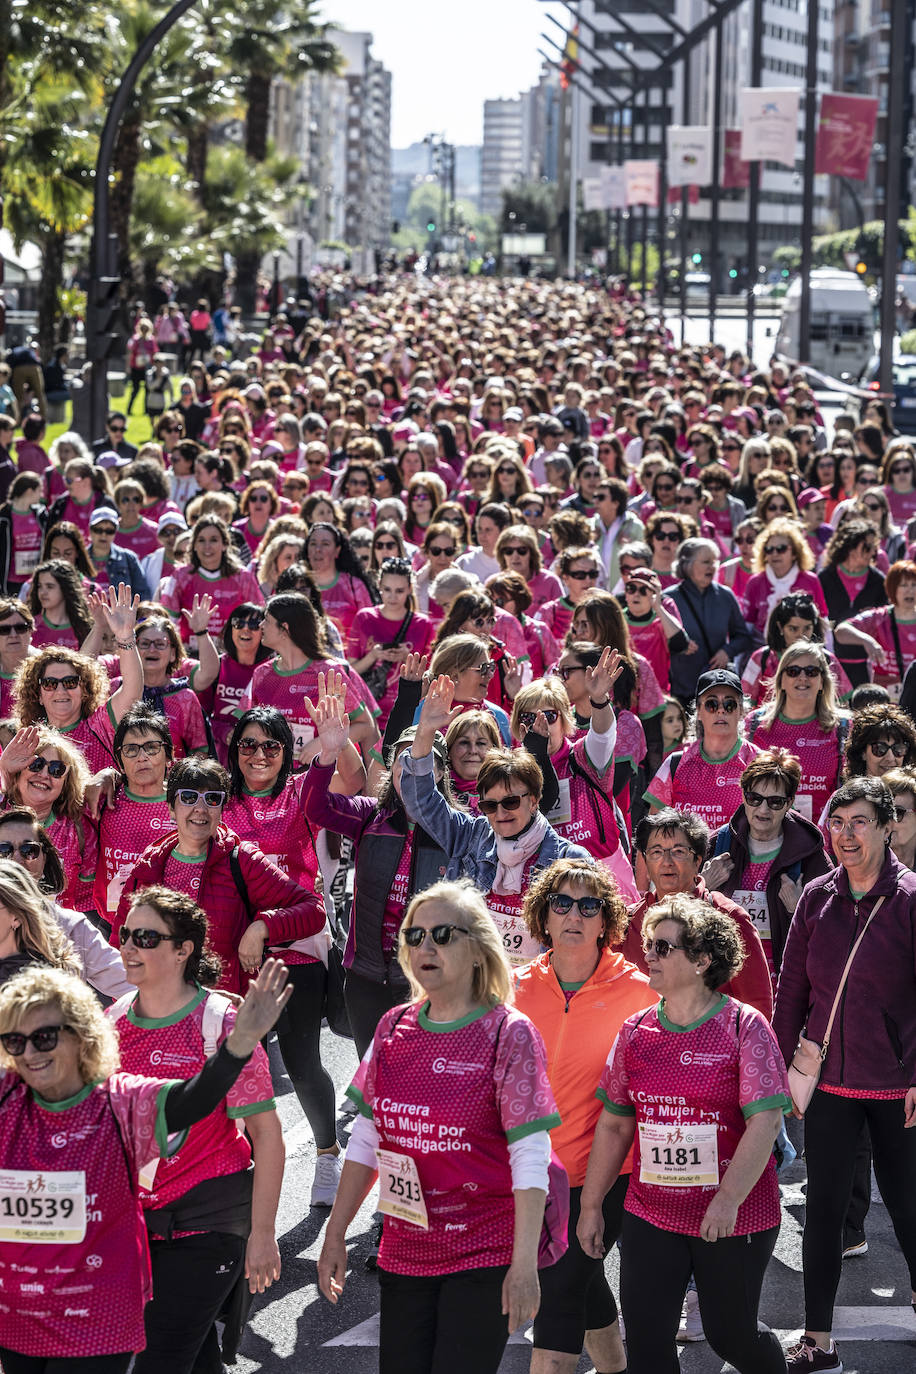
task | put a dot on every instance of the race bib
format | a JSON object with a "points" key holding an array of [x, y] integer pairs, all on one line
{"points": [[679, 1155], [26, 561], [894, 690], [804, 806], [755, 904], [41, 1207], [116, 886], [520, 947], [302, 735], [561, 814], [399, 1190]]}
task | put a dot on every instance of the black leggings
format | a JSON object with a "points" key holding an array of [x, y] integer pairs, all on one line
{"points": [[367, 1003], [299, 1038], [833, 1131], [137, 379], [449, 1324], [84, 1364], [655, 1269], [192, 1279], [575, 1294]]}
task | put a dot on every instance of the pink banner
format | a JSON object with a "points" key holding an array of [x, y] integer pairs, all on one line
{"points": [[674, 195], [736, 174], [845, 135]]}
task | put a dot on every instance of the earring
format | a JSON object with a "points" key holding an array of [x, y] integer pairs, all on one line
{"points": [[699, 973], [477, 966]]}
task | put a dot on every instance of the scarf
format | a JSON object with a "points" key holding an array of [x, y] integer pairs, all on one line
{"points": [[513, 854], [779, 586]]}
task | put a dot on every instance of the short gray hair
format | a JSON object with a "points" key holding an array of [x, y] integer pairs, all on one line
{"points": [[690, 551]]}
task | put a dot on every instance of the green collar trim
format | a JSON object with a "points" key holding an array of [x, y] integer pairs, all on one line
{"points": [[707, 1016], [133, 797], [156, 1022], [707, 759], [188, 858], [66, 1102], [443, 1027]]}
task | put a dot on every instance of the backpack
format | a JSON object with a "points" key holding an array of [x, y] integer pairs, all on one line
{"points": [[215, 1009]]}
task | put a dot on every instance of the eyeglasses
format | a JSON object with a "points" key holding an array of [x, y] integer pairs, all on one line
{"points": [[678, 852], [260, 499], [667, 536], [529, 717], [774, 550], [506, 471], [442, 550], [665, 486], [144, 939], [157, 645], [777, 510], [857, 824], [414, 936], [150, 748], [662, 947], [116, 429], [28, 850], [188, 797], [18, 627], [171, 429], [565, 673], [772, 803], [510, 803], [899, 812], [880, 748], [51, 684], [712, 704], [271, 748], [485, 669], [386, 544], [873, 506], [795, 670], [106, 531], [248, 622], [688, 500], [521, 550], [591, 575], [560, 903], [637, 589], [44, 1038], [482, 622], [900, 471]]}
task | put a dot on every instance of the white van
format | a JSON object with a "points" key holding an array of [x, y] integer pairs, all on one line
{"points": [[842, 323]]}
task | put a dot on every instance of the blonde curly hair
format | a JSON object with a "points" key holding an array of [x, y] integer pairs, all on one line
{"points": [[70, 1001]]}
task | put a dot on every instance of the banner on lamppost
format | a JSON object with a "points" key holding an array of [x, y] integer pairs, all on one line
{"points": [[769, 124], [736, 174], [641, 182], [689, 155], [845, 135], [614, 188], [592, 198], [674, 195]]}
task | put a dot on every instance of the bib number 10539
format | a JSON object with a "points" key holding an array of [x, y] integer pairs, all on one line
{"points": [[400, 1191], [679, 1156], [42, 1206]]}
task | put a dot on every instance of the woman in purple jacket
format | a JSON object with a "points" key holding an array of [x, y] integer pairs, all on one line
{"points": [[869, 1073]]}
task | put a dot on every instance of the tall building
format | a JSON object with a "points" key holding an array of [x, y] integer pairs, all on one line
{"points": [[501, 158], [338, 126]]}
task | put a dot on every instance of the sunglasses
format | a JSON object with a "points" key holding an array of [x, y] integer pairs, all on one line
{"points": [[880, 748], [664, 486], [386, 544], [772, 803], [188, 797], [506, 472], [529, 717], [716, 486], [667, 536], [637, 589], [521, 550], [259, 500], [873, 505], [106, 531], [712, 704], [796, 670], [489, 807], [485, 669], [746, 539], [143, 939], [51, 684], [687, 500], [18, 627], [778, 510], [28, 850], [899, 472], [590, 576], [43, 1039], [249, 622], [414, 936], [270, 747], [116, 429], [561, 902], [776, 549], [130, 500], [442, 550], [662, 947]]}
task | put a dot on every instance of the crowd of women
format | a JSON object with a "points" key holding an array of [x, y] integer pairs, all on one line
{"points": [[533, 699]]}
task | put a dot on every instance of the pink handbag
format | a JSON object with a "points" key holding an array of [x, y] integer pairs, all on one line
{"points": [[805, 1068]]}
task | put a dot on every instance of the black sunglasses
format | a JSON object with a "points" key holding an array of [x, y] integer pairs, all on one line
{"points": [[248, 622], [144, 939], [713, 704], [772, 803], [880, 748], [270, 747], [55, 767], [18, 627], [561, 902], [796, 670], [662, 947], [51, 684], [29, 849], [442, 934], [43, 1039], [590, 576], [529, 717], [511, 803]]}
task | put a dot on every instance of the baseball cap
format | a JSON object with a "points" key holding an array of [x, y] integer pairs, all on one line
{"points": [[171, 517], [513, 413], [102, 515], [407, 736], [718, 677], [646, 575], [808, 497], [110, 459]]}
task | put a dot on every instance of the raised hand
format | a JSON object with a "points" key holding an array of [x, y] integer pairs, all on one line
{"points": [[538, 726], [267, 995], [21, 749], [512, 676], [334, 684], [413, 667], [600, 679], [332, 725], [120, 610], [198, 617], [437, 712], [97, 605]]}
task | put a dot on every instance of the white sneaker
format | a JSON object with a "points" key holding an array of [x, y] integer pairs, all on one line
{"points": [[691, 1327], [327, 1177]]}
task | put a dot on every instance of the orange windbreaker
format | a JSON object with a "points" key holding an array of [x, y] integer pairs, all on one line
{"points": [[578, 1036]]}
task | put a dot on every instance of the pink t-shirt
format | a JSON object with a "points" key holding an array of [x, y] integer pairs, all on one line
{"points": [[369, 624], [717, 1072], [342, 599], [853, 582], [95, 736], [277, 825], [272, 685], [721, 521], [543, 649], [185, 717], [760, 673], [141, 540], [557, 616], [902, 504], [26, 550], [453, 1096], [79, 513], [57, 1301], [216, 1146], [125, 830], [544, 586], [79, 855], [650, 640], [817, 750], [877, 623], [732, 573], [184, 873], [177, 593], [711, 788], [45, 632], [398, 897], [223, 700], [759, 597], [750, 894]]}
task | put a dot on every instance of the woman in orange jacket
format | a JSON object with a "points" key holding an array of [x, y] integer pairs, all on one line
{"points": [[578, 994]]}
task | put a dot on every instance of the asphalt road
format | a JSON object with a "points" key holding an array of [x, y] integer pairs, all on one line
{"points": [[292, 1328]]}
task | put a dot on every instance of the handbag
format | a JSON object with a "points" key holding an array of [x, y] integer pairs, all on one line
{"points": [[335, 1007], [809, 1056], [376, 677]]}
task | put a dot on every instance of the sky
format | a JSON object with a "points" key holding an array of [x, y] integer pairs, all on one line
{"points": [[447, 59]]}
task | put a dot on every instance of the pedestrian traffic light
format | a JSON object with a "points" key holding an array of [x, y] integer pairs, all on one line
{"points": [[431, 226], [103, 333], [861, 267], [733, 272], [697, 259]]}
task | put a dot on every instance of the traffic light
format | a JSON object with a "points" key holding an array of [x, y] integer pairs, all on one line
{"points": [[431, 226], [103, 332], [472, 238], [733, 272], [697, 259], [785, 272], [861, 267]]}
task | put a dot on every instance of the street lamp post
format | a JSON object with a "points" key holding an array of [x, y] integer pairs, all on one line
{"points": [[104, 278]]}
